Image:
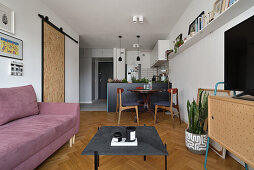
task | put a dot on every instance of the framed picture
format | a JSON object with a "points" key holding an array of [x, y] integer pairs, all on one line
{"points": [[179, 37], [6, 19], [192, 26], [11, 47], [217, 8]]}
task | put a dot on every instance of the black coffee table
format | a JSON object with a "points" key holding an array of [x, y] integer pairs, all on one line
{"points": [[149, 143]]}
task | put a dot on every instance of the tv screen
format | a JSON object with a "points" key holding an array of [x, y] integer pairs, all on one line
{"points": [[239, 57]]}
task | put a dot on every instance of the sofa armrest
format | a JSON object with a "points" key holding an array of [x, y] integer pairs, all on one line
{"points": [[61, 109]]}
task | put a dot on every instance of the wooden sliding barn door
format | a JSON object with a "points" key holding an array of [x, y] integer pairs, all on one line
{"points": [[53, 63]]}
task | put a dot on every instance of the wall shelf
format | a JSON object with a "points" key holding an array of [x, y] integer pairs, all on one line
{"points": [[234, 10]]}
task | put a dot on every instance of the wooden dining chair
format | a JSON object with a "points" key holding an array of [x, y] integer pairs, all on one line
{"points": [[168, 105], [121, 106]]}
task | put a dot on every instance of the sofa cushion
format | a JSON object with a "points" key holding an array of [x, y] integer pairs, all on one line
{"points": [[17, 102], [23, 138]]}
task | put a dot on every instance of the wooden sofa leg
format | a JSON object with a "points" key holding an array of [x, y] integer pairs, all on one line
{"points": [[73, 139], [70, 142]]}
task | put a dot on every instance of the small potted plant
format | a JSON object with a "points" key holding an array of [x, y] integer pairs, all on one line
{"points": [[195, 136], [178, 44]]}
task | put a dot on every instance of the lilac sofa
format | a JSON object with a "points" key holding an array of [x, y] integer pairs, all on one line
{"points": [[29, 131]]}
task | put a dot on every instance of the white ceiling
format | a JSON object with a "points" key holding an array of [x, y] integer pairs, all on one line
{"points": [[99, 22]]}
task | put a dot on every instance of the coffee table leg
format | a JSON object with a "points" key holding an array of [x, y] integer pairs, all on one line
{"points": [[166, 161], [144, 157], [96, 160]]}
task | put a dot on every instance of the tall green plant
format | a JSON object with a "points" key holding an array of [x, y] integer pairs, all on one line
{"points": [[197, 113]]}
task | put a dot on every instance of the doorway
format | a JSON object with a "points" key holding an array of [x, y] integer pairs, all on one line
{"points": [[105, 72]]}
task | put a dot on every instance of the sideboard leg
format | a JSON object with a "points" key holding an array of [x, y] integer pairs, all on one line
{"points": [[98, 160], [246, 166], [166, 159], [207, 147], [70, 142]]}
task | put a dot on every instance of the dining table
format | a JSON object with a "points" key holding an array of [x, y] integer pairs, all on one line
{"points": [[146, 94]]}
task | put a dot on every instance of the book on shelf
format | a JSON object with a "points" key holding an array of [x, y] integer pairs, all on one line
{"points": [[200, 23], [196, 25], [231, 2], [223, 6]]}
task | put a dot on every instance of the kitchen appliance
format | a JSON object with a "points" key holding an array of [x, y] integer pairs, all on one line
{"points": [[163, 77], [133, 71]]}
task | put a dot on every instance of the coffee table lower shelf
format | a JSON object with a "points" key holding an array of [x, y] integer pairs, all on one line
{"points": [[97, 159]]}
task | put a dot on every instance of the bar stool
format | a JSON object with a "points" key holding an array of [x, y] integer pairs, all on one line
{"points": [[169, 105], [125, 105]]}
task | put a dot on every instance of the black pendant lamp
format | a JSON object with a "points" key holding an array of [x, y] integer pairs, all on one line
{"points": [[120, 58], [138, 58]]}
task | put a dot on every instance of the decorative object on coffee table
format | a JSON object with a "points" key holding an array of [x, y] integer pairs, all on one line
{"points": [[149, 143], [195, 136], [117, 137], [130, 134]]}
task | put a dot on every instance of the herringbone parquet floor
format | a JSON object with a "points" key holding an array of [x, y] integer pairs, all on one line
{"points": [[179, 157]]}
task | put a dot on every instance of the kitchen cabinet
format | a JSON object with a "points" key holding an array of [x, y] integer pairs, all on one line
{"points": [[158, 55]]}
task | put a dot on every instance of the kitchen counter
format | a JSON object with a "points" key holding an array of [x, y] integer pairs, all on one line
{"points": [[131, 96]]}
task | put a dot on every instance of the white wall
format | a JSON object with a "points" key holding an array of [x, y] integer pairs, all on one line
{"points": [[131, 58], [85, 77], [86, 57], [201, 65], [146, 70], [28, 28], [71, 71]]}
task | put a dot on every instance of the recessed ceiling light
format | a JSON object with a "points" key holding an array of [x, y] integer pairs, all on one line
{"points": [[135, 19], [141, 19], [135, 45]]}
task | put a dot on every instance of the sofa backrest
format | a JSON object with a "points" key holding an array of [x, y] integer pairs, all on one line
{"points": [[17, 102]]}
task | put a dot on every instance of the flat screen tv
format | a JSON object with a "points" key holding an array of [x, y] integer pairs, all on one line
{"points": [[239, 58]]}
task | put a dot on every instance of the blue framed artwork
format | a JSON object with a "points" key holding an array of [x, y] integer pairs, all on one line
{"points": [[11, 47]]}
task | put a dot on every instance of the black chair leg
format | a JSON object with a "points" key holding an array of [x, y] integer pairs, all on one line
{"points": [[96, 160], [166, 159]]}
